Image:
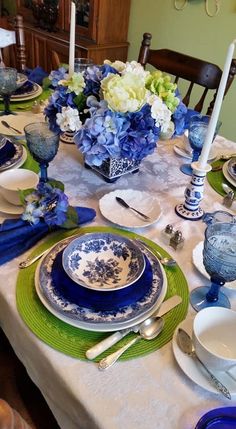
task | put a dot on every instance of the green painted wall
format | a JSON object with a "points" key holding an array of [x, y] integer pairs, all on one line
{"points": [[190, 31]]}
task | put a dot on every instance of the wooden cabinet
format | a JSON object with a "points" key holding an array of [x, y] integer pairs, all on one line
{"points": [[101, 32]]}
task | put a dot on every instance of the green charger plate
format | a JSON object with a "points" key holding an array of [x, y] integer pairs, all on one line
{"points": [[216, 178], [74, 341]]}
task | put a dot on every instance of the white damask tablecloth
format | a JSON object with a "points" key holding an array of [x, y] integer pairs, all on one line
{"points": [[148, 392]]}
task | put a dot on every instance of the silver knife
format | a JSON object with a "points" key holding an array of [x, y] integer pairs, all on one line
{"points": [[103, 345]]}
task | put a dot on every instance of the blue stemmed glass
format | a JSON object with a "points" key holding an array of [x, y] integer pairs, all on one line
{"points": [[8, 84], [197, 130], [43, 145], [219, 259]]}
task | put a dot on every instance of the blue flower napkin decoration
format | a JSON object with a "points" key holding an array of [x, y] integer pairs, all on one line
{"points": [[47, 209]]}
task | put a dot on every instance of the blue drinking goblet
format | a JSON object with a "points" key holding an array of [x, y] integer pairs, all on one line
{"points": [[219, 259], [198, 126], [43, 145], [8, 84]]}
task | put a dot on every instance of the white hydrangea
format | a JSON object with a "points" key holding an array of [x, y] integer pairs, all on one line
{"points": [[129, 67], [160, 112], [68, 119], [135, 68]]}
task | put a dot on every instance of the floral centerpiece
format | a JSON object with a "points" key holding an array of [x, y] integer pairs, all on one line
{"points": [[118, 111]]}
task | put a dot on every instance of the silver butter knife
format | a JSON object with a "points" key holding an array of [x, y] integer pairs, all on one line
{"points": [[99, 348], [127, 206]]}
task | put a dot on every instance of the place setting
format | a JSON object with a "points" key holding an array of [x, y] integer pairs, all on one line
{"points": [[223, 173], [89, 309]]}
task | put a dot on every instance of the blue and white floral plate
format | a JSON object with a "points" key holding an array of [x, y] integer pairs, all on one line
{"points": [[103, 261], [102, 321], [15, 159]]}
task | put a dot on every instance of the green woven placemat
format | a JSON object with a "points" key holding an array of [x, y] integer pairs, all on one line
{"points": [[216, 179], [30, 163], [74, 341], [27, 105]]}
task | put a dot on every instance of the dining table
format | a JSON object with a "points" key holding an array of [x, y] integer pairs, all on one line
{"points": [[147, 391]]}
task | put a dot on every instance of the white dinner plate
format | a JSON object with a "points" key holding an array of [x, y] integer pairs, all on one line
{"points": [[181, 148], [18, 121], [8, 208], [194, 370], [99, 321], [198, 263], [142, 201], [227, 175]]}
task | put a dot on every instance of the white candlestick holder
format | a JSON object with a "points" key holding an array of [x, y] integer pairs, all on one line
{"points": [[193, 194]]}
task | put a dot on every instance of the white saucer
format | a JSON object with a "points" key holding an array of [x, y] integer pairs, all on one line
{"points": [[194, 370], [18, 121], [6, 207], [227, 175], [121, 216], [198, 263], [183, 149]]}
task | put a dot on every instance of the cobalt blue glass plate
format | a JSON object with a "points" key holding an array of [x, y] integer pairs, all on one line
{"points": [[119, 315], [219, 418], [103, 261]]}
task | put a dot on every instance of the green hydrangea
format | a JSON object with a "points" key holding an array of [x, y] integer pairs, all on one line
{"points": [[161, 85]]}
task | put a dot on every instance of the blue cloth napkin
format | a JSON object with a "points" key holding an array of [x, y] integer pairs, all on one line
{"points": [[96, 300], [7, 152], [17, 235], [36, 75]]}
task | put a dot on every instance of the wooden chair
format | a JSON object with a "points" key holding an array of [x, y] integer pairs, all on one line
{"points": [[191, 69], [15, 55]]}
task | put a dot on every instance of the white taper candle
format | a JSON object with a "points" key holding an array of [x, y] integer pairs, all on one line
{"points": [[216, 110], [72, 39]]}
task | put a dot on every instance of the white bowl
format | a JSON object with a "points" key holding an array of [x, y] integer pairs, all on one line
{"points": [[15, 180], [214, 337]]}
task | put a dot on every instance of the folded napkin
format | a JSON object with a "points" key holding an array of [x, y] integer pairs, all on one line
{"points": [[7, 152], [36, 75], [17, 235]]}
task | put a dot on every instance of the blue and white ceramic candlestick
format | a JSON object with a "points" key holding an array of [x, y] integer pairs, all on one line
{"points": [[191, 209], [194, 192]]}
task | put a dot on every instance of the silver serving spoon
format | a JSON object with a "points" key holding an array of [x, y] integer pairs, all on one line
{"points": [[186, 345], [148, 330], [168, 262]]}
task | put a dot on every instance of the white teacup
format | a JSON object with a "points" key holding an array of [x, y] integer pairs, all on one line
{"points": [[214, 338], [15, 180]]}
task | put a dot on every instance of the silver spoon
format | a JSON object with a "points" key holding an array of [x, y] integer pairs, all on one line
{"points": [[227, 188], [148, 330], [186, 345], [5, 124], [168, 262]]}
